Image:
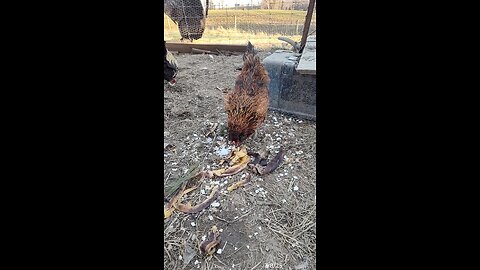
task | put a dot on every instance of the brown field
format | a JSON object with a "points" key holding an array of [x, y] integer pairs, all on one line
{"points": [[261, 27]]}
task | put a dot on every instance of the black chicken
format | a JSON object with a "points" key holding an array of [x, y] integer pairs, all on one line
{"points": [[189, 15], [170, 67]]}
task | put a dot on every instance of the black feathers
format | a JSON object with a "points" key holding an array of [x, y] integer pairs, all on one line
{"points": [[170, 67]]}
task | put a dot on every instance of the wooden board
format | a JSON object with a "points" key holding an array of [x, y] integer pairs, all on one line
{"points": [[187, 47], [308, 60]]}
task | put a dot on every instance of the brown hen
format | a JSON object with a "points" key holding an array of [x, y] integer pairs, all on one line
{"points": [[247, 104]]}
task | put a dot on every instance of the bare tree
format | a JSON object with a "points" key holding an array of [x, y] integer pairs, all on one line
{"points": [[285, 4]]}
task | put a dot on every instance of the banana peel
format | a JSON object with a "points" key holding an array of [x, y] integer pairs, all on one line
{"points": [[208, 246], [238, 154], [271, 166], [188, 208], [274, 163], [241, 164], [239, 183], [239, 160], [168, 211]]}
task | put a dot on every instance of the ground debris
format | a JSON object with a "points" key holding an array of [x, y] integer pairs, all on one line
{"points": [[208, 246], [270, 196]]}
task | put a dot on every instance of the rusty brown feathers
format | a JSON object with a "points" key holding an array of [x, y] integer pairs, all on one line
{"points": [[247, 104]]}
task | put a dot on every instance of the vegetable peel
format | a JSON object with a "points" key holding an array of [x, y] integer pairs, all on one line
{"points": [[188, 208], [168, 211], [239, 183], [213, 240], [239, 153], [271, 166], [274, 163], [239, 161]]}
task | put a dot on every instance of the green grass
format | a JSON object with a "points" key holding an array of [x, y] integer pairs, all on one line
{"points": [[261, 27]]}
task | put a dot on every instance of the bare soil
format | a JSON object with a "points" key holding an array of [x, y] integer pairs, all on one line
{"points": [[268, 223]]}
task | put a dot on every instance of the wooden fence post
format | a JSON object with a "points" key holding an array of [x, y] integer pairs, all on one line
{"points": [[306, 26]]}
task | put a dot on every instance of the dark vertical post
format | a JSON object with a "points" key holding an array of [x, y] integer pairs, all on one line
{"points": [[306, 27]]}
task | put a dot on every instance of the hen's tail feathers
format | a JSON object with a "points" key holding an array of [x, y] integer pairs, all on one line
{"points": [[250, 48]]}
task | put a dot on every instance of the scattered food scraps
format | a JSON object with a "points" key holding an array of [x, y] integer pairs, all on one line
{"points": [[213, 240], [188, 208], [273, 164], [238, 153], [239, 183], [239, 161], [169, 208]]}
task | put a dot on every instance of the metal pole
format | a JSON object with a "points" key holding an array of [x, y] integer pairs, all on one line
{"points": [[306, 27]]}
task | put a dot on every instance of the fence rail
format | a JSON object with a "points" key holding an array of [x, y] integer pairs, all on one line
{"points": [[234, 25]]}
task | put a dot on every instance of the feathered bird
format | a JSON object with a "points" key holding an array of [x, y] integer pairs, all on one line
{"points": [[247, 104], [170, 67], [189, 15]]}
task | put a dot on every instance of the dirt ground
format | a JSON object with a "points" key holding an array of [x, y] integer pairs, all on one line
{"points": [[268, 223]]}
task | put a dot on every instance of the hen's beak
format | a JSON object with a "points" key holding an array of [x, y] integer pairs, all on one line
{"points": [[172, 82]]}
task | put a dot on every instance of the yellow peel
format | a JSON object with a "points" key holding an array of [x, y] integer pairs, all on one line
{"points": [[171, 205], [235, 186], [208, 246], [188, 208], [239, 183], [238, 154], [242, 164], [240, 159], [218, 172], [167, 213]]}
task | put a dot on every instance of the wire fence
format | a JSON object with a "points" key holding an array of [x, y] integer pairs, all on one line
{"points": [[263, 21]]}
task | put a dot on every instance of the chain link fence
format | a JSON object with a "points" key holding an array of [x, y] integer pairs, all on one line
{"points": [[260, 21]]}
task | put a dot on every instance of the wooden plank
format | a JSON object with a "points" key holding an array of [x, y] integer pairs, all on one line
{"points": [[308, 60], [306, 26], [198, 51], [187, 47]]}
